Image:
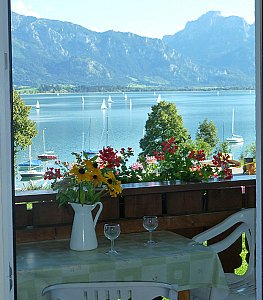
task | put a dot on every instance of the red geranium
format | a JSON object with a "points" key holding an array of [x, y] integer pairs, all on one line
{"points": [[198, 155], [170, 146], [221, 161], [108, 158], [52, 173]]}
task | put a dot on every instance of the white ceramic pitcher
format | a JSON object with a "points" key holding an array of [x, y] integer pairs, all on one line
{"points": [[83, 235]]}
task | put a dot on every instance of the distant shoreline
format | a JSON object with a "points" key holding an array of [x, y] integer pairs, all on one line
{"points": [[102, 89]]}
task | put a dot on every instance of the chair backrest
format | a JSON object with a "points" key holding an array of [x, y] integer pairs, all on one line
{"points": [[111, 291], [246, 224]]}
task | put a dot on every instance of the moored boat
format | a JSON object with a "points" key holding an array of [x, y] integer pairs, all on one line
{"points": [[34, 163], [235, 138], [91, 152], [32, 174], [37, 105], [46, 155], [49, 155], [103, 105]]}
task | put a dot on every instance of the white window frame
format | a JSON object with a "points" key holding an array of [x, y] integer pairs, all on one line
{"points": [[259, 139], [6, 187]]}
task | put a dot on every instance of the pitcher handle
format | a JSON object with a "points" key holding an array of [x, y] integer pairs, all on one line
{"points": [[98, 212]]}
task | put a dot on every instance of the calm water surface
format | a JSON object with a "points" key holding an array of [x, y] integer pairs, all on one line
{"points": [[69, 124]]}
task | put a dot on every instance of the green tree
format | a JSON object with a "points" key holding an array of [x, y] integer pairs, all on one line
{"points": [[223, 147], [202, 145], [163, 123], [250, 150], [24, 129], [207, 131]]}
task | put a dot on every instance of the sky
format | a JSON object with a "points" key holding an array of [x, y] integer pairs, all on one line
{"points": [[151, 18]]}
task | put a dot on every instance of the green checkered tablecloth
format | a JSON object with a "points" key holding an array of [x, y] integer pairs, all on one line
{"points": [[175, 259]]}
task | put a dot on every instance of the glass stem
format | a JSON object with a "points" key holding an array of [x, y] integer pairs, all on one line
{"points": [[150, 236], [111, 245]]}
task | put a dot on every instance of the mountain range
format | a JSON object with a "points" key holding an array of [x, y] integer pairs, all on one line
{"points": [[212, 51]]}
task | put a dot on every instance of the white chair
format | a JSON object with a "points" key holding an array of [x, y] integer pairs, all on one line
{"points": [[241, 287], [111, 291]]}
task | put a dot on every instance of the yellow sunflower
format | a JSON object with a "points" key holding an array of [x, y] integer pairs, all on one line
{"points": [[115, 190], [79, 172], [113, 184], [91, 165], [95, 176]]}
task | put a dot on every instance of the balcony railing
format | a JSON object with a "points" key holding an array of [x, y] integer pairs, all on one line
{"points": [[185, 208]]}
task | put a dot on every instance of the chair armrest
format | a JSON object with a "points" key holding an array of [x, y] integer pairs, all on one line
{"points": [[226, 242]]}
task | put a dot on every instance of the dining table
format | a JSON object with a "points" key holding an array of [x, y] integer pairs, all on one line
{"points": [[173, 259]]}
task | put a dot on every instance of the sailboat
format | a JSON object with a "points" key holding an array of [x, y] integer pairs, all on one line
{"points": [[46, 155], [110, 100], [31, 172], [234, 138], [90, 152], [159, 99], [31, 163], [37, 105], [105, 131], [103, 105]]}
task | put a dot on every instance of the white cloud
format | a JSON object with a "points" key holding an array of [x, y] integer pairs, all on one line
{"points": [[20, 8]]}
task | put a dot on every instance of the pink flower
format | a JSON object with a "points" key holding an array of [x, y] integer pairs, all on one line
{"points": [[151, 160], [137, 166]]}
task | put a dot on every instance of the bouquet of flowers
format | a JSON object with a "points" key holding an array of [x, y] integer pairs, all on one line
{"points": [[85, 181]]}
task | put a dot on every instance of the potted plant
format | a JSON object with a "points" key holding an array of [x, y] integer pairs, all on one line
{"points": [[82, 184]]}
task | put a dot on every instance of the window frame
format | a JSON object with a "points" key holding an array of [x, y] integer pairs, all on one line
{"points": [[259, 138], [7, 270]]}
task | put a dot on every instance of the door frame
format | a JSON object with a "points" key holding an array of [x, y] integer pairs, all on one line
{"points": [[7, 269], [259, 139]]}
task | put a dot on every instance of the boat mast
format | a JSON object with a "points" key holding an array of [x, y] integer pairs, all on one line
{"points": [[30, 156], [44, 142], [89, 133], [82, 146], [107, 130], [233, 117]]}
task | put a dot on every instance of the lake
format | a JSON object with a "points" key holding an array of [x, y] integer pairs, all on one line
{"points": [[71, 123]]}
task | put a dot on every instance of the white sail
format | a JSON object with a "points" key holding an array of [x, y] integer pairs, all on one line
{"points": [[159, 99], [103, 105], [233, 120], [37, 105], [110, 100]]}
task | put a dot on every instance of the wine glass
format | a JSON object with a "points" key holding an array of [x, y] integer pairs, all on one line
{"points": [[150, 223], [112, 232]]}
